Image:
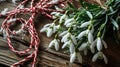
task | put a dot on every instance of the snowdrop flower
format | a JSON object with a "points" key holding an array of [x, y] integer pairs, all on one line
{"points": [[69, 21], [74, 56], [55, 28], [50, 29], [55, 14], [71, 48], [14, 2], [65, 37], [85, 24], [99, 55], [73, 38], [55, 43], [63, 33], [4, 11], [82, 34], [63, 17], [49, 32], [90, 37], [99, 43]]}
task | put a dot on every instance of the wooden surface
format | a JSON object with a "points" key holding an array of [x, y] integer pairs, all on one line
{"points": [[49, 57]]}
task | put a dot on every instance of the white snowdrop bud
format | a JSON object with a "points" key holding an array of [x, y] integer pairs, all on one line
{"points": [[69, 25], [65, 37], [56, 45], [72, 48], [65, 44], [63, 33], [63, 17], [69, 21], [85, 24], [81, 34], [49, 32], [72, 57], [74, 39], [99, 44], [95, 57], [43, 29], [90, 37], [51, 43], [92, 46]]}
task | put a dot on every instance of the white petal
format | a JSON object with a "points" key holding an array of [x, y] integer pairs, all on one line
{"points": [[105, 59], [90, 37], [81, 34], [74, 39], [85, 24], [69, 25], [72, 48], [63, 33], [92, 46], [57, 8], [51, 43], [56, 45], [73, 57], [95, 57], [104, 43], [69, 21], [65, 44], [47, 25], [82, 47], [62, 18], [4, 11], [43, 29], [79, 57], [65, 37], [49, 32], [99, 44]]}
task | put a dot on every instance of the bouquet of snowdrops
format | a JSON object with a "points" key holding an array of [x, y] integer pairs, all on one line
{"points": [[83, 29]]}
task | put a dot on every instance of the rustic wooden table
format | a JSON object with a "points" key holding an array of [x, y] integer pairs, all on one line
{"points": [[48, 57]]}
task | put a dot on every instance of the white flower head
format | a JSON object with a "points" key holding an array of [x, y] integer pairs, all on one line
{"points": [[71, 48], [49, 32], [72, 57], [99, 44], [69, 21], [63, 33], [65, 37], [63, 17], [100, 55], [82, 34], [55, 43], [85, 24], [90, 37]]}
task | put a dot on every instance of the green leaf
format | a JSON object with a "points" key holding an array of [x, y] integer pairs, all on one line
{"points": [[115, 24], [89, 14], [70, 5]]}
